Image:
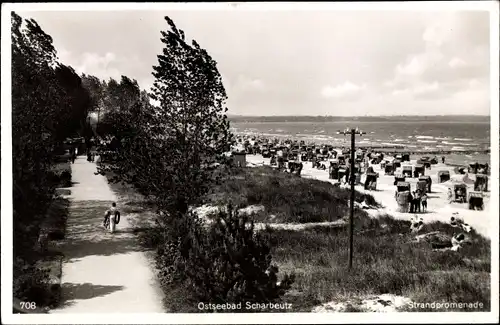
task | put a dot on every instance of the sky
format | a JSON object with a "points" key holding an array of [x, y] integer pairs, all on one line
{"points": [[342, 63]]}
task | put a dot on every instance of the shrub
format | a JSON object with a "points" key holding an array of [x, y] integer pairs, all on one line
{"points": [[65, 178], [224, 262], [31, 283]]}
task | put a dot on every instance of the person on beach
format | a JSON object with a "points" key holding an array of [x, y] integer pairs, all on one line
{"points": [[442, 159], [424, 202], [418, 197], [450, 195], [411, 198]]}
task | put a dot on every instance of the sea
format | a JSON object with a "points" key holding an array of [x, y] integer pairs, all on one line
{"points": [[467, 141]]}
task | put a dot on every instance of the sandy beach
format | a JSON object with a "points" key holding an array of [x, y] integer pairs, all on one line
{"points": [[438, 207]]}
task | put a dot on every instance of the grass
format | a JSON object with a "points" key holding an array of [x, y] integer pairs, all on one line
{"points": [[289, 198], [386, 260]]}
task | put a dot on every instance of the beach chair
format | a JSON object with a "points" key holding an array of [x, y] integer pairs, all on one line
{"points": [[443, 176], [341, 173], [460, 192], [419, 169], [334, 172], [389, 169], [357, 178], [341, 159], [483, 169], [407, 171], [473, 168], [422, 186], [273, 161], [399, 178], [476, 201], [481, 183], [403, 186], [371, 181], [428, 181], [403, 201]]}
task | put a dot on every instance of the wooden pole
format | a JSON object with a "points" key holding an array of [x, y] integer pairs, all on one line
{"points": [[353, 182]]}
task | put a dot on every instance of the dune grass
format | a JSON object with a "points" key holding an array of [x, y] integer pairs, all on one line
{"points": [[385, 261], [288, 197]]}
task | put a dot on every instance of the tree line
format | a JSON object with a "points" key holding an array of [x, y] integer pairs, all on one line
{"points": [[171, 151], [49, 104]]}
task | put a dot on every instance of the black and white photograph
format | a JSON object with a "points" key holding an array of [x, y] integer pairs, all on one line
{"points": [[250, 162]]}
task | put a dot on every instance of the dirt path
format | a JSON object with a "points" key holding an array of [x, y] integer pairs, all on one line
{"points": [[102, 272]]}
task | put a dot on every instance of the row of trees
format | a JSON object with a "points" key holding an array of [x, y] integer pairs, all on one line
{"points": [[49, 104], [172, 152]]}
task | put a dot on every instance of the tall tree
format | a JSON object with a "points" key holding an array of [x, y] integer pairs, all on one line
{"points": [[192, 112], [120, 100], [47, 105], [177, 143]]}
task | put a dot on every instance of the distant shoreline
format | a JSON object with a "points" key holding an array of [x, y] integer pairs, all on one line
{"points": [[402, 118]]}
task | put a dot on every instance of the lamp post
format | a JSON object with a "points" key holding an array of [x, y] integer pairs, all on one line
{"points": [[353, 133]]}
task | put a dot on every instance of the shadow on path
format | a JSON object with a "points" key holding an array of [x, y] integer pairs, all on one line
{"points": [[86, 236], [81, 291]]}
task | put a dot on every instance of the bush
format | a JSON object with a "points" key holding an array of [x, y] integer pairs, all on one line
{"points": [[31, 283], [225, 262], [65, 178]]}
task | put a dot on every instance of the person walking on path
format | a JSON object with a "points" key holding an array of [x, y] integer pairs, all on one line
{"points": [[111, 217], [73, 154]]}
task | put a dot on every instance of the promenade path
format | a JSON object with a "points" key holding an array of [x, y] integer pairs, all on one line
{"points": [[102, 272]]}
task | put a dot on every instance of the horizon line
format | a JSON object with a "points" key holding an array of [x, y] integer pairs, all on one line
{"points": [[406, 115]]}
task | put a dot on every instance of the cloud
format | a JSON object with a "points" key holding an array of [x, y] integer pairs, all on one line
{"points": [[345, 90], [245, 83], [104, 66], [283, 63], [423, 90], [456, 63], [448, 63]]}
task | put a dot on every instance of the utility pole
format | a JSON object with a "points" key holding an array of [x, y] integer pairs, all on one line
{"points": [[352, 177]]}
